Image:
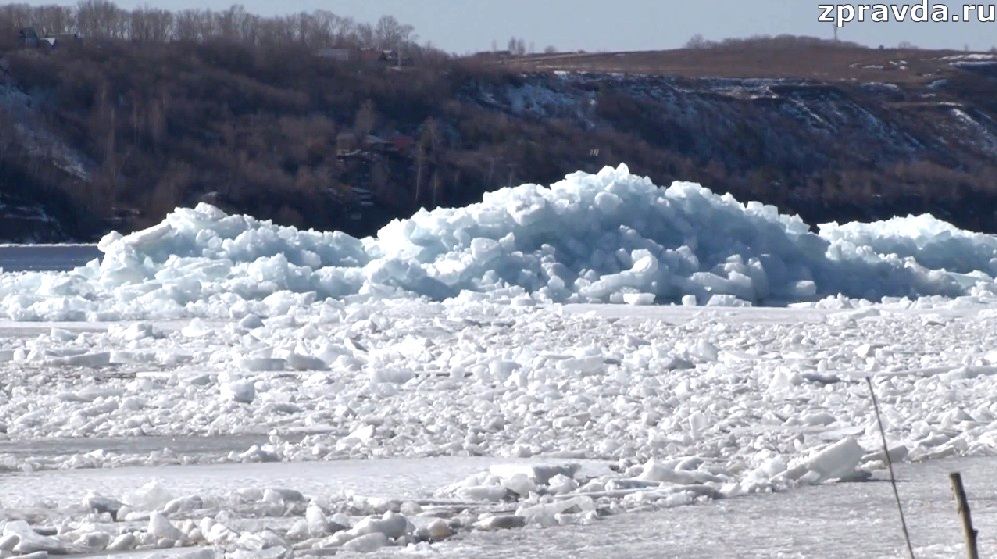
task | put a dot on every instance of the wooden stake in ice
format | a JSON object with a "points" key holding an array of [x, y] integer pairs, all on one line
{"points": [[889, 464], [967, 521]]}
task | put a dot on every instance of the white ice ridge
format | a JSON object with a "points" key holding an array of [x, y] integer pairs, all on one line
{"points": [[609, 237], [932, 242]]}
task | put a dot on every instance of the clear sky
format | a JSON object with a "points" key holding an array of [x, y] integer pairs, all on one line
{"points": [[471, 25]]}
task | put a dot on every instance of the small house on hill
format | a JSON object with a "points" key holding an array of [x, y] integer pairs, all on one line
{"points": [[395, 58], [493, 54], [28, 38], [63, 40]]}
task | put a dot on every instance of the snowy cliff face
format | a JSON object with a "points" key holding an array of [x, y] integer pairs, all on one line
{"points": [[828, 150], [743, 123], [26, 216], [27, 128], [610, 237]]}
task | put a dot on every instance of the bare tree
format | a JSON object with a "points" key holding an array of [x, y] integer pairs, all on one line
{"points": [[364, 34], [426, 148], [436, 188], [185, 26], [100, 19], [420, 163], [389, 34], [54, 20], [6, 135], [325, 26], [17, 15], [151, 25], [194, 25], [697, 41], [233, 24], [380, 177], [279, 31], [517, 47]]}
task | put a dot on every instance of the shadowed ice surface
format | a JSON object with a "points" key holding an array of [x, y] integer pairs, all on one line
{"points": [[838, 520], [841, 520]]}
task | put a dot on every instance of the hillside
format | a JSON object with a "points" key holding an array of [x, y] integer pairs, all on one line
{"points": [[116, 132], [780, 57]]}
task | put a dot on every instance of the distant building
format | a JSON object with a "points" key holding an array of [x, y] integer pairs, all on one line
{"points": [[387, 57], [63, 40], [493, 54], [28, 38], [395, 58]]}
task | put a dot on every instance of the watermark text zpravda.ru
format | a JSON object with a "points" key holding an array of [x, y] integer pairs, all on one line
{"points": [[919, 12]]}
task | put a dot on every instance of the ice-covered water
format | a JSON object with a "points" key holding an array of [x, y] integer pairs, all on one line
{"points": [[414, 479], [844, 521], [840, 520], [686, 404], [212, 341], [21, 258]]}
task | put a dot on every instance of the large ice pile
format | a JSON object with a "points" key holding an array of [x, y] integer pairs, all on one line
{"points": [[930, 241], [609, 237]]}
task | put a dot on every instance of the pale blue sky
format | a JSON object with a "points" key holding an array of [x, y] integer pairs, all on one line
{"points": [[471, 25]]}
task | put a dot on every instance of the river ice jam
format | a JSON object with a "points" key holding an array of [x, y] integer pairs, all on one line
{"points": [[221, 384]]}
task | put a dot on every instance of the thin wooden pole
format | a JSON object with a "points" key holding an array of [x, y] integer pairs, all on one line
{"points": [[889, 464], [967, 520]]}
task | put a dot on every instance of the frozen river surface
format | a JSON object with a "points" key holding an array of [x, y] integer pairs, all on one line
{"points": [[461, 411], [19, 258], [845, 520], [853, 520]]}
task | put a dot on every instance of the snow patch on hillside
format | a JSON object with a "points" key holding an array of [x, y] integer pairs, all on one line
{"points": [[23, 117]]}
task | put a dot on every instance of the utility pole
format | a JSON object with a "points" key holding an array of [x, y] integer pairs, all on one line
{"points": [[969, 532]]}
